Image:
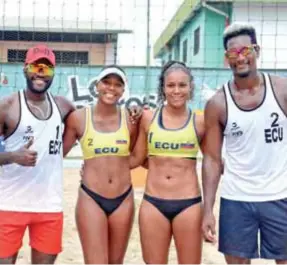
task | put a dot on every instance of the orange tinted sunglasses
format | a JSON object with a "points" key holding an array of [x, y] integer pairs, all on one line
{"points": [[245, 51], [44, 69]]}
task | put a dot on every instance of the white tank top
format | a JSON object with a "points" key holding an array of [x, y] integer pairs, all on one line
{"points": [[39, 188], [255, 150]]}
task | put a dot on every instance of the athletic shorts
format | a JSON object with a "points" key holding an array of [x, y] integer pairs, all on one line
{"points": [[253, 229], [45, 232]]}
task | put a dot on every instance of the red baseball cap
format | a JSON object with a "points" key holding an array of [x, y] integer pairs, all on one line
{"points": [[39, 52]]}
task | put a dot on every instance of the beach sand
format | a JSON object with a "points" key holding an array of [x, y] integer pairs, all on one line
{"points": [[72, 253]]}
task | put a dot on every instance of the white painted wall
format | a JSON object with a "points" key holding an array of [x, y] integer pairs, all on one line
{"points": [[110, 53], [270, 21]]}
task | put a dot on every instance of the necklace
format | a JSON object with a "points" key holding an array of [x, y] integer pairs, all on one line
{"points": [[43, 113]]}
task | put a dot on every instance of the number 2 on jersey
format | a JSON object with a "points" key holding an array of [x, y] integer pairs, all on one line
{"points": [[275, 132]]}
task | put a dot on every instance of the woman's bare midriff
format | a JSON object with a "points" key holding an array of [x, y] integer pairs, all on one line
{"points": [[108, 176], [172, 178]]}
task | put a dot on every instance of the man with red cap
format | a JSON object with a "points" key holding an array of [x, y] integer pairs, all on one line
{"points": [[31, 156], [31, 188]]}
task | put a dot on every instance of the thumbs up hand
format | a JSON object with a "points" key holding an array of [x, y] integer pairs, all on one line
{"points": [[24, 156]]}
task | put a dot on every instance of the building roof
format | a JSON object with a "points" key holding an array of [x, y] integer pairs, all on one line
{"points": [[57, 25], [184, 13]]}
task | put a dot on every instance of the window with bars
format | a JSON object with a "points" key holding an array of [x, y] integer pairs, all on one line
{"points": [[62, 57]]}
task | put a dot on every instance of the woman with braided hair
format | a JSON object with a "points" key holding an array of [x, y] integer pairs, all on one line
{"points": [[170, 137]]}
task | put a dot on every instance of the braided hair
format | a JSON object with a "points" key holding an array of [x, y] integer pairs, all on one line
{"points": [[166, 69]]}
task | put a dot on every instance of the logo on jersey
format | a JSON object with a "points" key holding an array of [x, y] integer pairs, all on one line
{"points": [[106, 150], [29, 129], [235, 130], [168, 145], [29, 133], [55, 146], [121, 141], [173, 146], [187, 146], [275, 132]]}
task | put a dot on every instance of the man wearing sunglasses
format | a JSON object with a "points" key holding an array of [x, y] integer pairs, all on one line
{"points": [[31, 127], [249, 113], [31, 188]]}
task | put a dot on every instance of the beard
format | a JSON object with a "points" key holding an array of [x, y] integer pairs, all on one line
{"points": [[243, 75], [30, 86]]}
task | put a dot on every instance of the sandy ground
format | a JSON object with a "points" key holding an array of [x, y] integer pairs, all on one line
{"points": [[72, 253]]}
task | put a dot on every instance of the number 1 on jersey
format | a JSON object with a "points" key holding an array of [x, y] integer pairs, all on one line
{"points": [[57, 132], [55, 145]]}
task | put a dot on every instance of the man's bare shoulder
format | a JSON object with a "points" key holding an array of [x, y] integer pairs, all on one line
{"points": [[278, 80], [279, 84], [215, 108], [7, 101], [76, 118], [7, 106], [277, 77], [65, 106], [217, 101], [79, 113], [63, 101]]}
